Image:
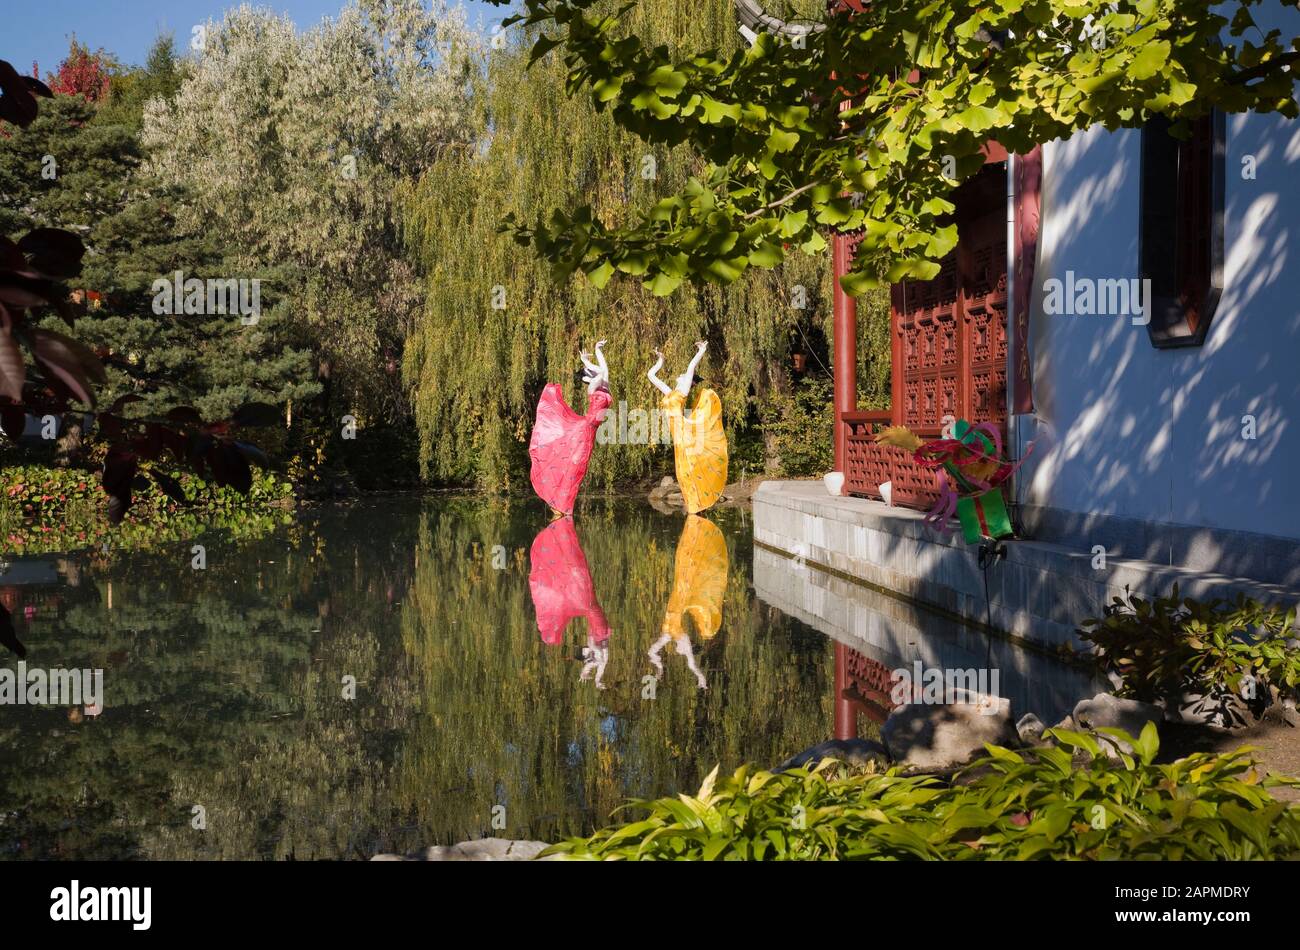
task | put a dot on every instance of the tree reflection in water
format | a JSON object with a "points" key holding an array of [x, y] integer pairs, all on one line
{"points": [[228, 699]]}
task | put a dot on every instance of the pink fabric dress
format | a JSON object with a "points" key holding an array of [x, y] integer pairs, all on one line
{"points": [[561, 445], [560, 583]]}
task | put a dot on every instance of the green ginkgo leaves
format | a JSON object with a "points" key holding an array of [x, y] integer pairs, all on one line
{"points": [[870, 123]]}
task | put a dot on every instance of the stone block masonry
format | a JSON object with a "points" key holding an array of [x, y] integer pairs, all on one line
{"points": [[1039, 594]]}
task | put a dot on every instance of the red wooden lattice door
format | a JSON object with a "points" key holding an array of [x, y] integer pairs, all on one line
{"points": [[949, 344]]}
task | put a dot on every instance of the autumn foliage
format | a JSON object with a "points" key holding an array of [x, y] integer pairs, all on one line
{"points": [[82, 73]]}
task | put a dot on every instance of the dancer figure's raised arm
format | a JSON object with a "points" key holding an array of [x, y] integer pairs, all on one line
{"points": [[596, 375], [659, 384], [684, 381], [653, 653], [684, 646]]}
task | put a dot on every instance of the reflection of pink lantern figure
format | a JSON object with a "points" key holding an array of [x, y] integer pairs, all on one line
{"points": [[560, 583], [562, 440]]}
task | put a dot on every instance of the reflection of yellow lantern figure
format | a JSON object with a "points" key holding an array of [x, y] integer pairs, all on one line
{"points": [[699, 585], [699, 448]]}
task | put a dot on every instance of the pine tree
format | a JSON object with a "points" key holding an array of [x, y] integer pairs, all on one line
{"points": [[80, 165]]}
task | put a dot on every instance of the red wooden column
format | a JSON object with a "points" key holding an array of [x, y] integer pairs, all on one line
{"points": [[1028, 185], [845, 333], [845, 345], [846, 714]]}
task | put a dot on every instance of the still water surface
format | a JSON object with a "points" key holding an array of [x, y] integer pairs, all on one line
{"points": [[395, 674]]}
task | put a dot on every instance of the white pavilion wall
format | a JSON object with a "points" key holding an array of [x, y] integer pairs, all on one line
{"points": [[1128, 430]]}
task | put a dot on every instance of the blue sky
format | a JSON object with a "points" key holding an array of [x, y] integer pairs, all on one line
{"points": [[40, 30]]}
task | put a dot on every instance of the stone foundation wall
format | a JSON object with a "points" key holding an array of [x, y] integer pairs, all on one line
{"points": [[1039, 593], [899, 633]]}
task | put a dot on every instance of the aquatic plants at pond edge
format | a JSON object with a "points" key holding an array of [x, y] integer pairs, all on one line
{"points": [[1030, 804]]}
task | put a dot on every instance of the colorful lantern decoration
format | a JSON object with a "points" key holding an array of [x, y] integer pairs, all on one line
{"points": [[699, 440], [971, 470], [562, 440], [559, 581], [699, 448], [699, 587]]}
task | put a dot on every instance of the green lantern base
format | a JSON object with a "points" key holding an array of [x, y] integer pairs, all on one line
{"points": [[984, 516]]}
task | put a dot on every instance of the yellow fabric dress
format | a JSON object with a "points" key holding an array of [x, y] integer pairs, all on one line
{"points": [[699, 580], [699, 448]]}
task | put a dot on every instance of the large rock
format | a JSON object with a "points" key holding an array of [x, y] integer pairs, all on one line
{"points": [[858, 752], [1112, 712], [667, 485], [1030, 729], [936, 737], [1220, 709], [738, 494], [484, 849], [666, 497], [1288, 713]]}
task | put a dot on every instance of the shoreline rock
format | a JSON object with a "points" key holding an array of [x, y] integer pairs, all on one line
{"points": [[943, 736], [1106, 710], [481, 849], [666, 496], [850, 751]]}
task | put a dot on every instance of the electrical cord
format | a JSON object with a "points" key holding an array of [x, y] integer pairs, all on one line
{"points": [[991, 551]]}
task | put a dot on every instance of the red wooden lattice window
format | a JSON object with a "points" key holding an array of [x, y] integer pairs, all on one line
{"points": [[949, 338]]}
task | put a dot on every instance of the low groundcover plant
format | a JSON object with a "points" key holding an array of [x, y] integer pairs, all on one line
{"points": [[1063, 801]]}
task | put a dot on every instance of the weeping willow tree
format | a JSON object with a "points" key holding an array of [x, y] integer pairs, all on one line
{"points": [[496, 326]]}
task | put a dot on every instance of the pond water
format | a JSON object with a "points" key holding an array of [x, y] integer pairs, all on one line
{"points": [[229, 699], [402, 672]]}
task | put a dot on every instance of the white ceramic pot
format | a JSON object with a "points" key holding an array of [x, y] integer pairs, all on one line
{"points": [[887, 492], [834, 482]]}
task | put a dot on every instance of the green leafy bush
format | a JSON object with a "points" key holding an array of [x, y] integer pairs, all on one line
{"points": [[801, 424], [1159, 647], [45, 510], [1033, 804]]}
